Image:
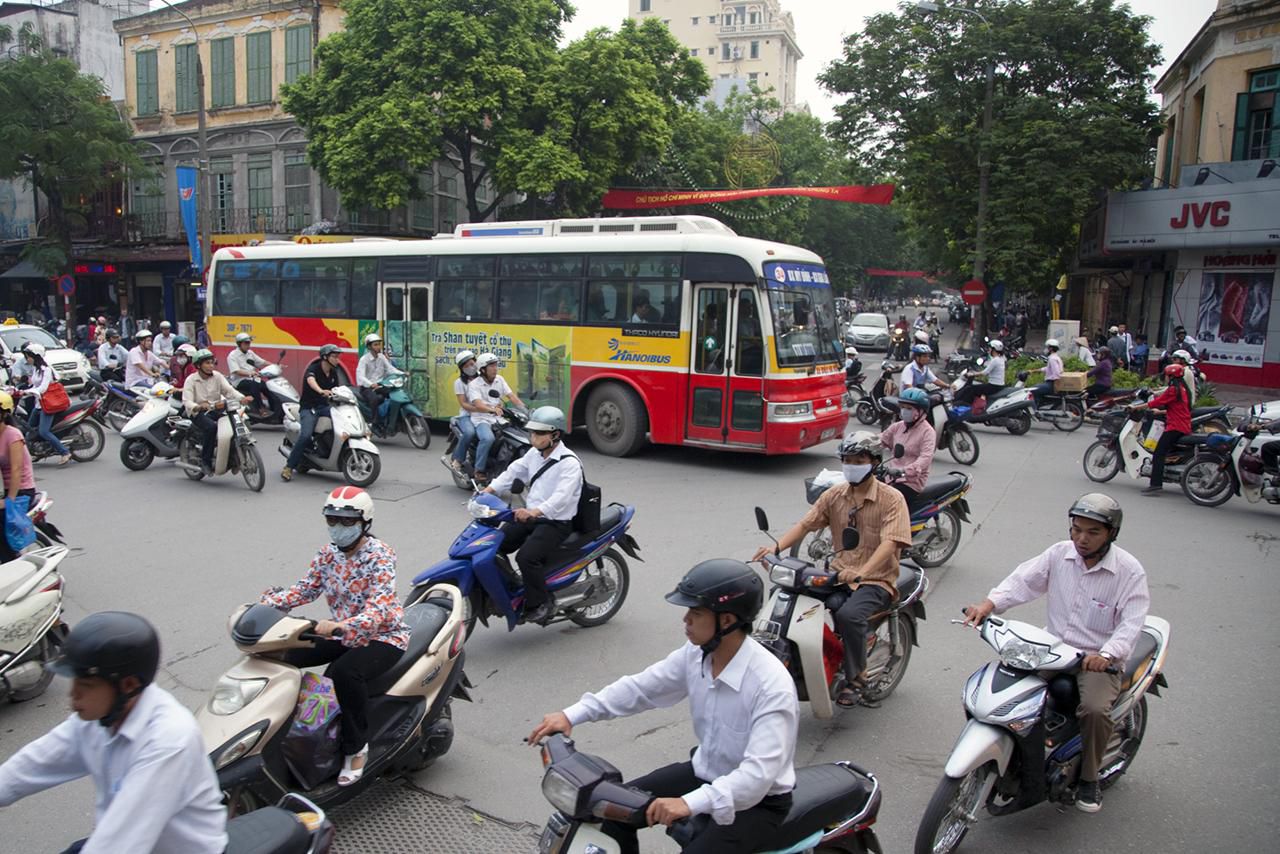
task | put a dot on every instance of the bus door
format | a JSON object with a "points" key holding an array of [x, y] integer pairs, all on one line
{"points": [[406, 312], [726, 373]]}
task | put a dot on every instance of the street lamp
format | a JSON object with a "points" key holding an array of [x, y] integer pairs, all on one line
{"points": [[984, 159]]}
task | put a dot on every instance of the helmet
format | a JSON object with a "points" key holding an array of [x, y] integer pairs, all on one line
{"points": [[34, 349], [861, 442], [201, 355], [463, 357], [350, 502], [1114, 329], [851, 351], [111, 645], [1052, 344], [372, 338], [922, 337], [164, 324], [1099, 507], [1175, 371], [190, 350], [6, 402], [142, 333], [484, 360], [329, 350], [243, 337], [722, 586], [1183, 355], [921, 350], [179, 340], [113, 333], [1082, 341], [915, 397], [547, 418], [997, 345]]}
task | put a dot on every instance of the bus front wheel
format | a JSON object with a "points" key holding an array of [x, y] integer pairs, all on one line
{"points": [[616, 420]]}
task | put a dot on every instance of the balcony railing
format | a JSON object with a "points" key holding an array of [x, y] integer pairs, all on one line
{"points": [[166, 226]]}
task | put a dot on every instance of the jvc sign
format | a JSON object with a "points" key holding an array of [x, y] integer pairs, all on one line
{"points": [[1218, 215], [1215, 214]]}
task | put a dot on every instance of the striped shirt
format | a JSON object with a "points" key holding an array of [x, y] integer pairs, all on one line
{"points": [[879, 515], [1099, 609]]}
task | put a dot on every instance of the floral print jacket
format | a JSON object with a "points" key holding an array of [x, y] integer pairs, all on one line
{"points": [[360, 590]]}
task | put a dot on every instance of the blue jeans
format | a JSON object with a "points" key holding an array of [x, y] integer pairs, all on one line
{"points": [[468, 431], [1039, 391], [307, 418], [42, 422], [484, 437]]}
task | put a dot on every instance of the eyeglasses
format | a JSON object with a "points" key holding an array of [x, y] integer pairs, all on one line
{"points": [[344, 521]]}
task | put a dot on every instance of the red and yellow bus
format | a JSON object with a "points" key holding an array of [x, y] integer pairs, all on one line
{"points": [[670, 328]]}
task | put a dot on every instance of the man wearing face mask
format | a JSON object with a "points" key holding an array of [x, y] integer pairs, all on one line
{"points": [[870, 569], [553, 477], [910, 472], [356, 573]]}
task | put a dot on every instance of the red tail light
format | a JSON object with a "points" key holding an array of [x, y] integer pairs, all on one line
{"points": [[455, 646], [56, 585]]}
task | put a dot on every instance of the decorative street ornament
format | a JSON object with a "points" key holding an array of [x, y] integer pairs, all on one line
{"points": [[753, 160], [875, 194]]}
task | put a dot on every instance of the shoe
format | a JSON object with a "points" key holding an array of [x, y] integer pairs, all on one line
{"points": [[349, 776], [457, 466], [541, 614], [207, 468], [1088, 797], [64, 459], [1153, 491], [286, 473]]}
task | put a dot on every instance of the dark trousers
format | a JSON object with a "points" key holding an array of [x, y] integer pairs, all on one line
{"points": [[1096, 390], [372, 398], [1164, 444], [752, 829], [852, 621], [1271, 456], [257, 390], [968, 393], [1038, 392], [207, 424], [307, 419], [535, 540], [351, 668], [907, 492]]}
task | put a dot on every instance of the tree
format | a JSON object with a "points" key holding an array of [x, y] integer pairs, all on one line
{"points": [[1071, 119], [61, 135]]}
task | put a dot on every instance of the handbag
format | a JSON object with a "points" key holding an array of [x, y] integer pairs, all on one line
{"points": [[54, 399]]}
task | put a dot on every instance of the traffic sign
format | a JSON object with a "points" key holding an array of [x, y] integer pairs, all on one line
{"points": [[66, 285], [973, 292]]}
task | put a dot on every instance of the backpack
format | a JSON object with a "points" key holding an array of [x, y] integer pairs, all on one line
{"points": [[587, 517]]}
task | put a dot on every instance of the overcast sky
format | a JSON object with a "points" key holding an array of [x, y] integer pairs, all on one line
{"points": [[822, 25]]}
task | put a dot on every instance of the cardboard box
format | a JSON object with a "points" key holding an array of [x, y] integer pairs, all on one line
{"points": [[1071, 381]]}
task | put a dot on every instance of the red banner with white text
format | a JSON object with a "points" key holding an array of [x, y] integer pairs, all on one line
{"points": [[875, 194]]}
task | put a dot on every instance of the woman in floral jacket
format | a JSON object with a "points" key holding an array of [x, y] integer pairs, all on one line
{"points": [[356, 573]]}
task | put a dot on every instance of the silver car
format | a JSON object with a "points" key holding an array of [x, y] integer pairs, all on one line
{"points": [[70, 366], [868, 331]]}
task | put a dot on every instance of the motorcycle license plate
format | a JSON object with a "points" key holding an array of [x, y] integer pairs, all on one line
{"points": [[553, 834]]}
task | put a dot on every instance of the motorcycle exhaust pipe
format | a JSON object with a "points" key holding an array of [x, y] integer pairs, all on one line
{"points": [[22, 677]]}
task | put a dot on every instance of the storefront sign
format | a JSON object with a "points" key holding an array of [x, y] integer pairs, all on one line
{"points": [[1215, 215]]}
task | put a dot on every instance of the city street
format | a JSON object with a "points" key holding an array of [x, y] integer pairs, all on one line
{"points": [[186, 554]]}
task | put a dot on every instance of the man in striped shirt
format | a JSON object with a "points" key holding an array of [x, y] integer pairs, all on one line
{"points": [[1097, 602]]}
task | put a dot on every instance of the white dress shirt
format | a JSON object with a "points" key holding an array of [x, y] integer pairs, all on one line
{"points": [[156, 789], [247, 361], [557, 491], [163, 345], [1099, 609], [112, 357], [993, 370], [370, 369], [746, 721], [138, 369], [478, 390]]}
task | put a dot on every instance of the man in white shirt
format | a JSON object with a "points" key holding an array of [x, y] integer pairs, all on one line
{"points": [[917, 373], [112, 357], [143, 367], [243, 365], [372, 367], [163, 343], [745, 717], [1097, 602], [486, 393], [552, 475], [157, 791]]}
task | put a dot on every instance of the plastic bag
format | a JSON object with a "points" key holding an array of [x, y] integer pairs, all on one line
{"points": [[311, 748], [19, 530]]}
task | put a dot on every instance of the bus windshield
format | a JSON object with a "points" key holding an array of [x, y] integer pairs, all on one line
{"points": [[804, 314]]}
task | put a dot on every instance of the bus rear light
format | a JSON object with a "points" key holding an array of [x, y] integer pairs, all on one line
{"points": [[802, 411]]}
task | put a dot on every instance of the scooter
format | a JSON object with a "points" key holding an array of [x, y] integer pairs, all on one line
{"points": [[294, 826], [153, 431], [237, 450], [899, 343], [1021, 744], [47, 533], [587, 575], [340, 442], [510, 443], [1214, 475], [812, 650], [1009, 408], [31, 626], [949, 424], [246, 721], [397, 412], [74, 427], [1119, 446], [280, 394], [833, 806]]}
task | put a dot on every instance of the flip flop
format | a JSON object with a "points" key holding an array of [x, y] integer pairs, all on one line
{"points": [[350, 776], [848, 698]]}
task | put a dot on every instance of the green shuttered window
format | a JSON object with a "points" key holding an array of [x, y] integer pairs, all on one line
{"points": [[148, 83], [185, 82], [257, 49], [223, 62]]}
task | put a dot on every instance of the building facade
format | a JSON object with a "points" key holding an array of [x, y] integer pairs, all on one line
{"points": [[739, 42]]}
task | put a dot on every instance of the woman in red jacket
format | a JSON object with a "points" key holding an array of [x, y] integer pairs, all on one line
{"points": [[1175, 400]]}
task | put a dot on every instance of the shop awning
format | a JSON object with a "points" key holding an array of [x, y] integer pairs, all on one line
{"points": [[23, 270]]}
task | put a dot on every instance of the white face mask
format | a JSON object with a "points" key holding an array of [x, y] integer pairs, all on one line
{"points": [[909, 415], [345, 536], [856, 472], [469, 371]]}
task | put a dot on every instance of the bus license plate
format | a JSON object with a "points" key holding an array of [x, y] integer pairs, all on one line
{"points": [[829, 433]]}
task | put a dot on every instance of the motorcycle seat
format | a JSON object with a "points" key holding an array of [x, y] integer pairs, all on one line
{"points": [[270, 829], [1143, 650], [1192, 439], [823, 796], [1200, 411], [424, 621], [76, 406], [609, 517], [909, 579], [935, 489], [1004, 392]]}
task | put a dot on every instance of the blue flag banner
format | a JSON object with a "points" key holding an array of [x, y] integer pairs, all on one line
{"points": [[187, 206]]}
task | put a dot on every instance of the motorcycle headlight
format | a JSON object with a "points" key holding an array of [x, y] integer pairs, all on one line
{"points": [[783, 576], [560, 792], [239, 746], [1024, 655], [231, 695]]}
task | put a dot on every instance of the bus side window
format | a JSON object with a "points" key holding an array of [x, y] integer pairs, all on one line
{"points": [[602, 302]]}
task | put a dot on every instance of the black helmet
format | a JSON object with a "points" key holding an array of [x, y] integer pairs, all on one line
{"points": [[111, 645], [329, 350], [1099, 507], [722, 586]]}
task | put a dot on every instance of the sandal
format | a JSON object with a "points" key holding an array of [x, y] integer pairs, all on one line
{"points": [[350, 776], [848, 697]]}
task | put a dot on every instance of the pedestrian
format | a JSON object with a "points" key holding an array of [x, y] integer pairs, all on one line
{"points": [[1141, 352]]}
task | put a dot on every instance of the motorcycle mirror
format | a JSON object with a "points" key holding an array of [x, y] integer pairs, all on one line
{"points": [[280, 358], [517, 486], [762, 520], [849, 539], [1022, 376], [899, 451]]}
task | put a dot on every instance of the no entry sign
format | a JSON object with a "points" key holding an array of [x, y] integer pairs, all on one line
{"points": [[973, 292]]}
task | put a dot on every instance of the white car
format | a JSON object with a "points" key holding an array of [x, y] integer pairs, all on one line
{"points": [[869, 331], [70, 366]]}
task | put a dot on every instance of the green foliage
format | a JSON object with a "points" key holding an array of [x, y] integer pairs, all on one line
{"points": [[1071, 118]]}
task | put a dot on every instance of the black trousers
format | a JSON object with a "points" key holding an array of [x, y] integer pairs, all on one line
{"points": [[973, 390], [1271, 456], [752, 829], [351, 668], [257, 390], [535, 541], [207, 424], [851, 619], [1164, 444], [372, 398], [907, 492]]}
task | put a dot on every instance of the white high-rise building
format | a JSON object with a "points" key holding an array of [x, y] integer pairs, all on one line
{"points": [[739, 41]]}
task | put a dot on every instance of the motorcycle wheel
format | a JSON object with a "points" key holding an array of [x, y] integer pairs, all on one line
{"points": [[241, 801], [360, 467], [137, 454], [1208, 482], [865, 411], [944, 539], [419, 433], [1019, 423], [894, 669], [1129, 736], [118, 413], [962, 444], [1101, 462], [86, 442], [190, 454], [615, 573], [1071, 416], [45, 653], [952, 809], [252, 469]]}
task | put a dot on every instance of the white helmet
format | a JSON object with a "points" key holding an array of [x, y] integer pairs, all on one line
{"points": [[372, 338], [243, 337], [142, 333], [851, 351], [484, 360], [1052, 343], [997, 345], [1183, 355], [164, 324], [350, 502], [464, 357], [922, 336], [34, 349]]}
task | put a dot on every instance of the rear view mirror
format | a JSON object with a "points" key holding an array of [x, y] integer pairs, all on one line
{"points": [[899, 451], [762, 519], [280, 358], [849, 539], [1022, 376]]}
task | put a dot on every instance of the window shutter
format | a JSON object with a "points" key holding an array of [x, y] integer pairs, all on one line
{"points": [[1239, 140]]}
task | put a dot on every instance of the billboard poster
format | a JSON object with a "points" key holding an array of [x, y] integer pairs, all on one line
{"points": [[534, 360], [1232, 316]]}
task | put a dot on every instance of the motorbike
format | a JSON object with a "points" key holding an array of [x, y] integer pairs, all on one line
{"points": [[868, 410], [510, 443], [1213, 476], [948, 422], [811, 649], [340, 442], [237, 450], [587, 575], [936, 515], [47, 533], [293, 826], [117, 401], [280, 394], [153, 431], [74, 427], [1119, 446], [246, 721], [833, 806], [1008, 408], [31, 625], [398, 413], [1021, 744], [899, 343]]}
